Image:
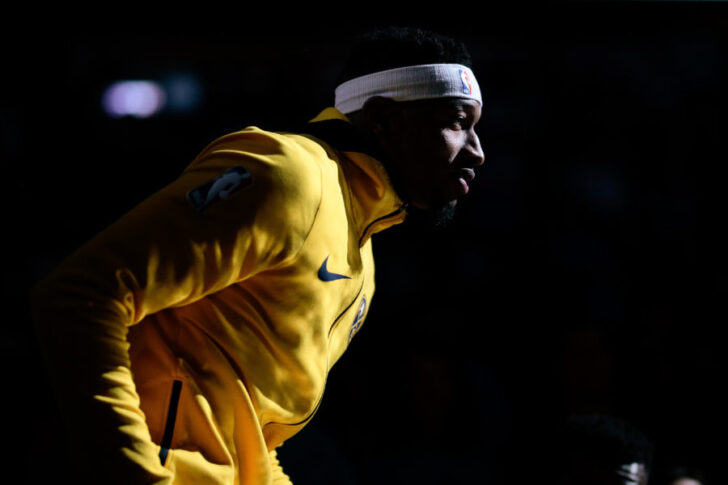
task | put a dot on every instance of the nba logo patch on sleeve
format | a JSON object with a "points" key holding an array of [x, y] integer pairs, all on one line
{"points": [[465, 78], [220, 188]]}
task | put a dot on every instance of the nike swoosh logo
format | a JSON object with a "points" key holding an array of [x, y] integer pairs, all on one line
{"points": [[325, 275]]}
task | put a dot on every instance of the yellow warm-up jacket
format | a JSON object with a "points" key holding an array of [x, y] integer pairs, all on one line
{"points": [[194, 336]]}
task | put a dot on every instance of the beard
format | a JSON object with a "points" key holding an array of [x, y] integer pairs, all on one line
{"points": [[443, 216], [437, 217]]}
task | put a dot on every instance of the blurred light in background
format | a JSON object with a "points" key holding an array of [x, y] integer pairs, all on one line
{"points": [[178, 93], [140, 99]]}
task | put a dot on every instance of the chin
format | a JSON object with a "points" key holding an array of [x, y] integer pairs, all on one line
{"points": [[439, 215], [445, 214]]}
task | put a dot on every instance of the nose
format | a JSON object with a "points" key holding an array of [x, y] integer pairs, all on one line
{"points": [[473, 150]]}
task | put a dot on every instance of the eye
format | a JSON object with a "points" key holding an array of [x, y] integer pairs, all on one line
{"points": [[457, 122]]}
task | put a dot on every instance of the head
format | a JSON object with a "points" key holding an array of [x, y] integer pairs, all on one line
{"points": [[426, 137]]}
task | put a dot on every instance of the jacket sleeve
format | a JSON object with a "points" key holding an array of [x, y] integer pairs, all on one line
{"points": [[181, 244], [279, 476]]}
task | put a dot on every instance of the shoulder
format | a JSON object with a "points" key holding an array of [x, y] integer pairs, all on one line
{"points": [[266, 181], [282, 154], [279, 164]]}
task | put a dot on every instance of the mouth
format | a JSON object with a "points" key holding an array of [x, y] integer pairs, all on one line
{"points": [[462, 178]]}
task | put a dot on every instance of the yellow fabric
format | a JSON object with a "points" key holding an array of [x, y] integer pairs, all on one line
{"points": [[226, 300]]}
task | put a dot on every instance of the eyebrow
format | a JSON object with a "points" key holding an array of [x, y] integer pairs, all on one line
{"points": [[464, 103], [459, 104], [445, 106]]}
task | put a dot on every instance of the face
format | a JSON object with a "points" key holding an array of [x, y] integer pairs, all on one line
{"points": [[434, 148]]}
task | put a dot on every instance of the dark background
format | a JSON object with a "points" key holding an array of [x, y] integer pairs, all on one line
{"points": [[585, 271]]}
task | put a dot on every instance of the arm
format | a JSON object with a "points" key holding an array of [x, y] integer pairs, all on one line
{"points": [[166, 252], [279, 476]]}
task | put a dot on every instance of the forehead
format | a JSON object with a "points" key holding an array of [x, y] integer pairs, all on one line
{"points": [[445, 106]]}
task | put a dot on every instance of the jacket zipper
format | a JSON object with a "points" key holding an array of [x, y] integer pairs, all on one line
{"points": [[321, 397], [387, 216], [171, 418]]}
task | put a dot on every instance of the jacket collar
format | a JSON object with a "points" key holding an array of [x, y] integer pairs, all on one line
{"points": [[374, 203]]}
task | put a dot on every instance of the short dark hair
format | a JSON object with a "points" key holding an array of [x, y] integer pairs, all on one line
{"points": [[390, 47]]}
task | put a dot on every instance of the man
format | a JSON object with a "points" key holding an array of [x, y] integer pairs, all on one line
{"points": [[194, 336]]}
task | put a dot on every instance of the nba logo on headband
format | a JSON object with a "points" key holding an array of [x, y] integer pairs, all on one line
{"points": [[467, 87]]}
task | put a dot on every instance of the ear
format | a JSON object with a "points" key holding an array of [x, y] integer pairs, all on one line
{"points": [[380, 114]]}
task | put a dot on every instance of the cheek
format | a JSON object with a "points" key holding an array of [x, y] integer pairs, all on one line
{"points": [[436, 144], [428, 153], [448, 146]]}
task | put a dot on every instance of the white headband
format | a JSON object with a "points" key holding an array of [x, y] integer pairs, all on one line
{"points": [[409, 84]]}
